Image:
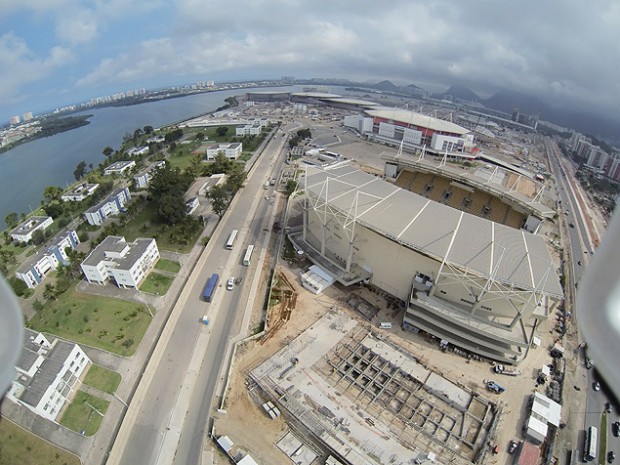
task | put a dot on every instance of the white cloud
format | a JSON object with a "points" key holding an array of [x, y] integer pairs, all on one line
{"points": [[77, 28], [25, 66]]}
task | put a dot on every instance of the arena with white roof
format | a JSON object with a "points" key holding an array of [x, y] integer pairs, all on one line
{"points": [[468, 281]]}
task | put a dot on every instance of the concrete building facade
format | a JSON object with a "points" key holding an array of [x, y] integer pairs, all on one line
{"points": [[24, 231], [36, 267], [473, 283], [79, 192], [231, 150], [111, 205], [127, 263], [47, 374]]}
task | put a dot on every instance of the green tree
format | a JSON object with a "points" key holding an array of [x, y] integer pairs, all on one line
{"points": [[54, 209], [19, 287], [80, 170], [221, 164], [137, 134], [236, 178], [200, 136], [173, 135], [291, 185], [37, 305], [38, 237], [219, 200], [49, 293], [107, 151], [148, 129], [167, 189], [221, 131], [52, 193], [11, 219]]}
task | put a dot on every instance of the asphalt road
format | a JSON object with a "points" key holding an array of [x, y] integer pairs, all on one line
{"points": [[581, 250], [176, 405]]}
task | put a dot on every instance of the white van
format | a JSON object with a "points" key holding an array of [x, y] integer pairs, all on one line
{"points": [[385, 325]]}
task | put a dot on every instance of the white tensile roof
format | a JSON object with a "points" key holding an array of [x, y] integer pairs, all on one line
{"points": [[511, 256], [418, 119]]}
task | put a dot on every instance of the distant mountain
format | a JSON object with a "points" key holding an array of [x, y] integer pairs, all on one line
{"points": [[507, 101], [461, 93], [413, 86], [388, 86]]}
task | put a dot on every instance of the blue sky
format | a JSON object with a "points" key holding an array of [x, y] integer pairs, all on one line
{"points": [[58, 52]]}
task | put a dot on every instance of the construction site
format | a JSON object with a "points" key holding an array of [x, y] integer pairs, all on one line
{"points": [[364, 400]]}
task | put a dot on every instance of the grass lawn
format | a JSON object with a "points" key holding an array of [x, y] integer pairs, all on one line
{"points": [[19, 446], [110, 324], [602, 437], [103, 379], [168, 265], [146, 224], [84, 413], [156, 283]]}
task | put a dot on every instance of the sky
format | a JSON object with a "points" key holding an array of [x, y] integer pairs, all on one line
{"points": [[59, 52]]}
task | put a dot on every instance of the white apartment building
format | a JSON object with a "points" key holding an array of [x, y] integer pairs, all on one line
{"points": [[119, 168], [127, 263], [23, 232], [232, 150], [79, 192], [253, 128], [36, 267], [111, 205], [143, 178], [47, 374]]}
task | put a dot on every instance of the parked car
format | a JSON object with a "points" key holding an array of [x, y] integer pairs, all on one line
{"points": [[596, 386], [611, 456], [607, 407], [615, 428], [513, 447]]}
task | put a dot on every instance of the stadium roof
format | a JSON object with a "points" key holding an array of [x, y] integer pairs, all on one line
{"points": [[315, 95], [353, 101], [418, 119], [507, 255]]}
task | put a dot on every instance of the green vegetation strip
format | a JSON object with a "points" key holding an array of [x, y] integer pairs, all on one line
{"points": [[84, 414], [602, 437], [19, 446], [103, 379], [156, 283], [110, 324], [168, 265]]}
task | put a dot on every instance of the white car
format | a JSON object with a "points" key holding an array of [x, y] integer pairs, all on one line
{"points": [[230, 284]]}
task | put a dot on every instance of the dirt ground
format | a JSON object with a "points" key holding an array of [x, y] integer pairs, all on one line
{"points": [[252, 430]]}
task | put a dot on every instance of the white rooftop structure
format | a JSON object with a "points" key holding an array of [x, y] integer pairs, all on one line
{"points": [[417, 119]]}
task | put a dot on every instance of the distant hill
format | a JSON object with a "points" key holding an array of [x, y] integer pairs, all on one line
{"points": [[387, 86], [461, 93], [507, 101]]}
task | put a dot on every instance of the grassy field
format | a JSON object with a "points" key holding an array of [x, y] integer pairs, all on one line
{"points": [[156, 283], [103, 379], [84, 413], [19, 446], [110, 324], [168, 265]]}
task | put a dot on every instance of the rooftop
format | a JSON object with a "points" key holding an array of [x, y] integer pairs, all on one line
{"points": [[117, 244], [30, 224], [490, 250], [418, 119]]}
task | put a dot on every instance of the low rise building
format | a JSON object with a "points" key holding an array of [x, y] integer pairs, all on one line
{"points": [[143, 178], [137, 151], [232, 150], [36, 267], [253, 128], [79, 192], [24, 231], [544, 412], [111, 205], [47, 374], [119, 168], [127, 263]]}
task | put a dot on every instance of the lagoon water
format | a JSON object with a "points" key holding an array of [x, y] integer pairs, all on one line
{"points": [[28, 169]]}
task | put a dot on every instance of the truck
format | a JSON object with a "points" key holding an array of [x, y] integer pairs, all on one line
{"points": [[504, 370], [495, 387]]}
